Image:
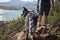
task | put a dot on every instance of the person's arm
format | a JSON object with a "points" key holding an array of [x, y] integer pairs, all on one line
{"points": [[38, 6], [52, 3], [38, 2]]}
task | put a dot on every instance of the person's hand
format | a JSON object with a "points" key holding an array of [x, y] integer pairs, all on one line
{"points": [[52, 10], [37, 4], [52, 6]]}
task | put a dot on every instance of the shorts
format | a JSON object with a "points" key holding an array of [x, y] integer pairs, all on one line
{"points": [[44, 8]]}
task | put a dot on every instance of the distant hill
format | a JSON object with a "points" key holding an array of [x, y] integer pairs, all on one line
{"points": [[16, 4], [10, 7]]}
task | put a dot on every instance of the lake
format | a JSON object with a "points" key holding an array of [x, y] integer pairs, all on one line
{"points": [[7, 15]]}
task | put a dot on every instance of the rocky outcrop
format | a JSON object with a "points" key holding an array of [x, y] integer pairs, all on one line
{"points": [[41, 33]]}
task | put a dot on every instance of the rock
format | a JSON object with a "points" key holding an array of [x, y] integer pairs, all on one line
{"points": [[46, 37], [40, 34], [39, 30], [19, 36]]}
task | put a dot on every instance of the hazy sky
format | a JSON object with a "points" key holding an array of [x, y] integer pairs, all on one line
{"points": [[4, 0], [10, 0], [28, 0], [21, 0]]}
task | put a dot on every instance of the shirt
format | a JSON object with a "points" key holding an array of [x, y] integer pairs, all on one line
{"points": [[46, 1]]}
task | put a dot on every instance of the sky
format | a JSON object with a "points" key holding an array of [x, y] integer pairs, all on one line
{"points": [[5, 0], [29, 0], [20, 0]]}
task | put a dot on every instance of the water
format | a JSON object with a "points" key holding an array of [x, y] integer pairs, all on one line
{"points": [[7, 15]]}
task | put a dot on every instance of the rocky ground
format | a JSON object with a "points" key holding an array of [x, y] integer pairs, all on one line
{"points": [[52, 32]]}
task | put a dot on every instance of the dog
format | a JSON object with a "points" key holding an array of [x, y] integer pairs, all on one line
{"points": [[30, 21]]}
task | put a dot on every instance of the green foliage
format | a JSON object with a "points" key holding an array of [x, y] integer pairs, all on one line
{"points": [[10, 28], [56, 12]]}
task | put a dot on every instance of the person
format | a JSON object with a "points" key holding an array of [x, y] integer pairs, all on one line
{"points": [[45, 6]]}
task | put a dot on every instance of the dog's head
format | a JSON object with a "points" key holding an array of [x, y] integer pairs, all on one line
{"points": [[25, 12]]}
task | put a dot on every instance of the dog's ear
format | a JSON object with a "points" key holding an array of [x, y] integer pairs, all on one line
{"points": [[24, 8], [25, 11]]}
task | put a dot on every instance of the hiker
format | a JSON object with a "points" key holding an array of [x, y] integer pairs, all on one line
{"points": [[30, 22], [44, 7]]}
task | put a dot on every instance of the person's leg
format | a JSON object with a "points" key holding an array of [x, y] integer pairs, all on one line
{"points": [[40, 19], [40, 16], [44, 31], [46, 20], [46, 15]]}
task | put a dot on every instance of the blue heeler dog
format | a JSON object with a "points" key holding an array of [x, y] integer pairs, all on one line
{"points": [[30, 22]]}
